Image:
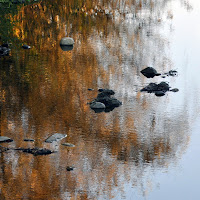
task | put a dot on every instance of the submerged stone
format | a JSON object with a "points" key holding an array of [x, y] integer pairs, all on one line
{"points": [[28, 140], [55, 137], [5, 139]]}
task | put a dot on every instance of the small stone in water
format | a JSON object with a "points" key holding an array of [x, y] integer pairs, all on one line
{"points": [[29, 140], [55, 137], [25, 46], [5, 139], [68, 145], [69, 168]]}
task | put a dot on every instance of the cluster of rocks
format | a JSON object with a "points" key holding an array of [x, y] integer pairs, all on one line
{"points": [[150, 72], [161, 88], [104, 102], [35, 151]]}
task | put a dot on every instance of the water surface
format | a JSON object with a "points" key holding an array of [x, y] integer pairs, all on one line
{"points": [[145, 149]]}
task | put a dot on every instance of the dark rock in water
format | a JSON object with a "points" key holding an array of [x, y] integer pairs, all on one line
{"points": [[174, 90], [153, 87], [159, 93], [105, 92], [150, 72], [55, 137], [28, 140], [159, 89], [35, 151], [25, 46], [69, 168], [173, 73], [5, 139], [163, 86], [100, 90], [90, 89], [105, 101], [68, 145]]}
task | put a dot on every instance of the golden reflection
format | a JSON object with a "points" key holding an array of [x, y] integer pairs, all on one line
{"points": [[46, 91]]}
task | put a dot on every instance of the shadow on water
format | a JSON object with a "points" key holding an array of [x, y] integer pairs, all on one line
{"points": [[44, 90]]}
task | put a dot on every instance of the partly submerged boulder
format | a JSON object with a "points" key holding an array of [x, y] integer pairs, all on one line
{"points": [[66, 41], [55, 137], [150, 72], [5, 139]]}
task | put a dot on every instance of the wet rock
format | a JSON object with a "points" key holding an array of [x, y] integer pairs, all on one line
{"points": [[69, 168], [153, 87], [5, 139], [35, 151], [172, 73], [68, 145], [90, 89], [174, 90], [105, 101], [28, 140], [25, 46], [55, 137], [159, 89], [97, 105], [159, 93], [66, 41], [149, 72], [105, 92]]}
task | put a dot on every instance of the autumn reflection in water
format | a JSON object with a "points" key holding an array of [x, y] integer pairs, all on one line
{"points": [[44, 90]]}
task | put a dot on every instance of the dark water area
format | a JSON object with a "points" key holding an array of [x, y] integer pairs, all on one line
{"points": [[147, 148]]}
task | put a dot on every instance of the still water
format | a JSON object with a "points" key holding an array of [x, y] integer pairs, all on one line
{"points": [[148, 148]]}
